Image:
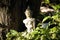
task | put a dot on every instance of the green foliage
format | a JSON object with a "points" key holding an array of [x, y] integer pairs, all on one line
{"points": [[46, 1], [56, 7], [48, 17], [40, 33]]}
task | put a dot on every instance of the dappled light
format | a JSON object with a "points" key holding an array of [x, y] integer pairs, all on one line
{"points": [[46, 9], [29, 19]]}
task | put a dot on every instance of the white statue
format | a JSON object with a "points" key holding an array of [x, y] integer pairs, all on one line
{"points": [[29, 21]]}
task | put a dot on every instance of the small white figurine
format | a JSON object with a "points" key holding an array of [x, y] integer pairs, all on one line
{"points": [[29, 21]]}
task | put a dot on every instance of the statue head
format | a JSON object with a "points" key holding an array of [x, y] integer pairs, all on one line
{"points": [[28, 12]]}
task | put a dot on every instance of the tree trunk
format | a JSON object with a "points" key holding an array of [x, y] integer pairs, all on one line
{"points": [[17, 15], [3, 21]]}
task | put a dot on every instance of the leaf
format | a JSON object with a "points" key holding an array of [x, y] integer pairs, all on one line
{"points": [[8, 35], [37, 28], [47, 1], [43, 37], [56, 7], [14, 33], [55, 17], [53, 36], [53, 30], [46, 18]]}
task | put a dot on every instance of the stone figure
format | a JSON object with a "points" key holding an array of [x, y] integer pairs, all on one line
{"points": [[29, 21]]}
